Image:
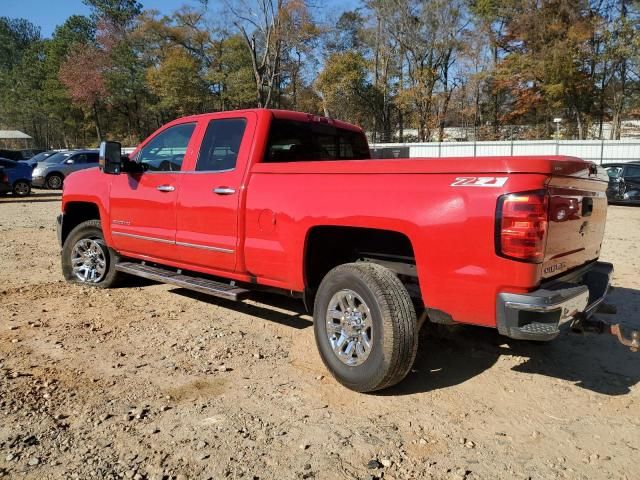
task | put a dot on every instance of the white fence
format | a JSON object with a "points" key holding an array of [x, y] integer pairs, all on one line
{"points": [[599, 151]]}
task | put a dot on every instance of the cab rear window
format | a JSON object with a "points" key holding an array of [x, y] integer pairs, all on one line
{"points": [[292, 141]]}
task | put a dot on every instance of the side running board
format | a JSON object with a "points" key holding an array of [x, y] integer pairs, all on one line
{"points": [[203, 285]]}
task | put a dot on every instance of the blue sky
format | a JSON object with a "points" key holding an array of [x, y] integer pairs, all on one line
{"points": [[49, 13]]}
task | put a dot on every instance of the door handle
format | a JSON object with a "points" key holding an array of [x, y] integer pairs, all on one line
{"points": [[224, 191], [165, 188]]}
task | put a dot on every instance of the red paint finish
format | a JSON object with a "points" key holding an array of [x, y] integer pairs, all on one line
{"points": [[139, 211], [451, 231], [445, 207], [207, 226]]}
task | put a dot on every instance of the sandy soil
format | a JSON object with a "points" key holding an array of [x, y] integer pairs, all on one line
{"points": [[151, 381]]}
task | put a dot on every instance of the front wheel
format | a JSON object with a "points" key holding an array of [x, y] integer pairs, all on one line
{"points": [[21, 188], [55, 181], [365, 326], [87, 259]]}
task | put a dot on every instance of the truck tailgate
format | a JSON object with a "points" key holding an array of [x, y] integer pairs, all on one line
{"points": [[577, 215]]}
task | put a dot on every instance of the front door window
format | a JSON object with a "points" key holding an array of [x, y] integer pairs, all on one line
{"points": [[165, 152]]}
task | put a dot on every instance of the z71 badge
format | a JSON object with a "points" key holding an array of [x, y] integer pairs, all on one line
{"points": [[479, 182]]}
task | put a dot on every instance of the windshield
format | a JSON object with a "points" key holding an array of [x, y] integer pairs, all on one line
{"points": [[40, 157], [58, 157], [614, 172]]}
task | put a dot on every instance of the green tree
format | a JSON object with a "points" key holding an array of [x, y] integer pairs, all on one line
{"points": [[344, 88], [16, 37], [21, 76], [231, 74], [348, 33], [546, 69], [120, 13], [178, 84], [65, 122]]}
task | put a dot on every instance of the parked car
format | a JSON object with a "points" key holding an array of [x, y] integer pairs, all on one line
{"points": [[52, 172], [292, 203], [624, 182], [39, 157], [19, 155], [19, 176], [12, 154]]}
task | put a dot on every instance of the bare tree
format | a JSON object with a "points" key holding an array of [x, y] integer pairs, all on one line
{"points": [[260, 25], [428, 32]]}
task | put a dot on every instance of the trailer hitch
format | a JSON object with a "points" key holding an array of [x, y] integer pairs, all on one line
{"points": [[582, 324], [633, 343]]}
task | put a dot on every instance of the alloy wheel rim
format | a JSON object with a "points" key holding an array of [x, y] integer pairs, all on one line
{"points": [[88, 260], [55, 182], [22, 188], [349, 327]]}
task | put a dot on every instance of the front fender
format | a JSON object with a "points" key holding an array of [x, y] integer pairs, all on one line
{"points": [[90, 186]]}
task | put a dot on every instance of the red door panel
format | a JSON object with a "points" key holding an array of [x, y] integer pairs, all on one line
{"points": [[143, 217], [143, 204], [209, 197]]}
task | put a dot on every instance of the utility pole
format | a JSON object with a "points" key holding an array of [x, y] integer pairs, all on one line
{"points": [[557, 121]]}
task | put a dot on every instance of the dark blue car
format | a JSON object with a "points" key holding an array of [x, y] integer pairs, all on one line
{"points": [[18, 177], [624, 182]]}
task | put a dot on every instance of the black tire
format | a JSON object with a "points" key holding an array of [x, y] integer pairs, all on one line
{"points": [[90, 230], [54, 181], [394, 341], [22, 188]]}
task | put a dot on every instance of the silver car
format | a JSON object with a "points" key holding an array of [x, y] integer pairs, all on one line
{"points": [[51, 172]]}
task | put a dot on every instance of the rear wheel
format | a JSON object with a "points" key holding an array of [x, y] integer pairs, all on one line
{"points": [[87, 259], [54, 181], [365, 326], [21, 188]]}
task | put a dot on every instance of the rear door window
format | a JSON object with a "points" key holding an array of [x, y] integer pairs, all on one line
{"points": [[221, 144]]}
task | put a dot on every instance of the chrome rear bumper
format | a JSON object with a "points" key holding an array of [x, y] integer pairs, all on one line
{"points": [[537, 315]]}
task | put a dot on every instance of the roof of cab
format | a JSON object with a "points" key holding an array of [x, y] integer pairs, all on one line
{"points": [[281, 114]]}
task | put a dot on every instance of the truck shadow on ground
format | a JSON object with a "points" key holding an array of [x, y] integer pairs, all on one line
{"points": [[451, 356], [274, 308], [594, 362]]}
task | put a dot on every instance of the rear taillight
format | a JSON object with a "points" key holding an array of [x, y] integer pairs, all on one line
{"points": [[4, 178], [521, 226]]}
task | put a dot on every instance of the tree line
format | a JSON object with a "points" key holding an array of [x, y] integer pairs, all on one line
{"points": [[401, 69]]}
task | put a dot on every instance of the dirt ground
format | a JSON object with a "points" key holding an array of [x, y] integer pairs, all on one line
{"points": [[152, 381]]}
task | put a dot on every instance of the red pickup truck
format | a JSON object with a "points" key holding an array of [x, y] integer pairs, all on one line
{"points": [[230, 202]]}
